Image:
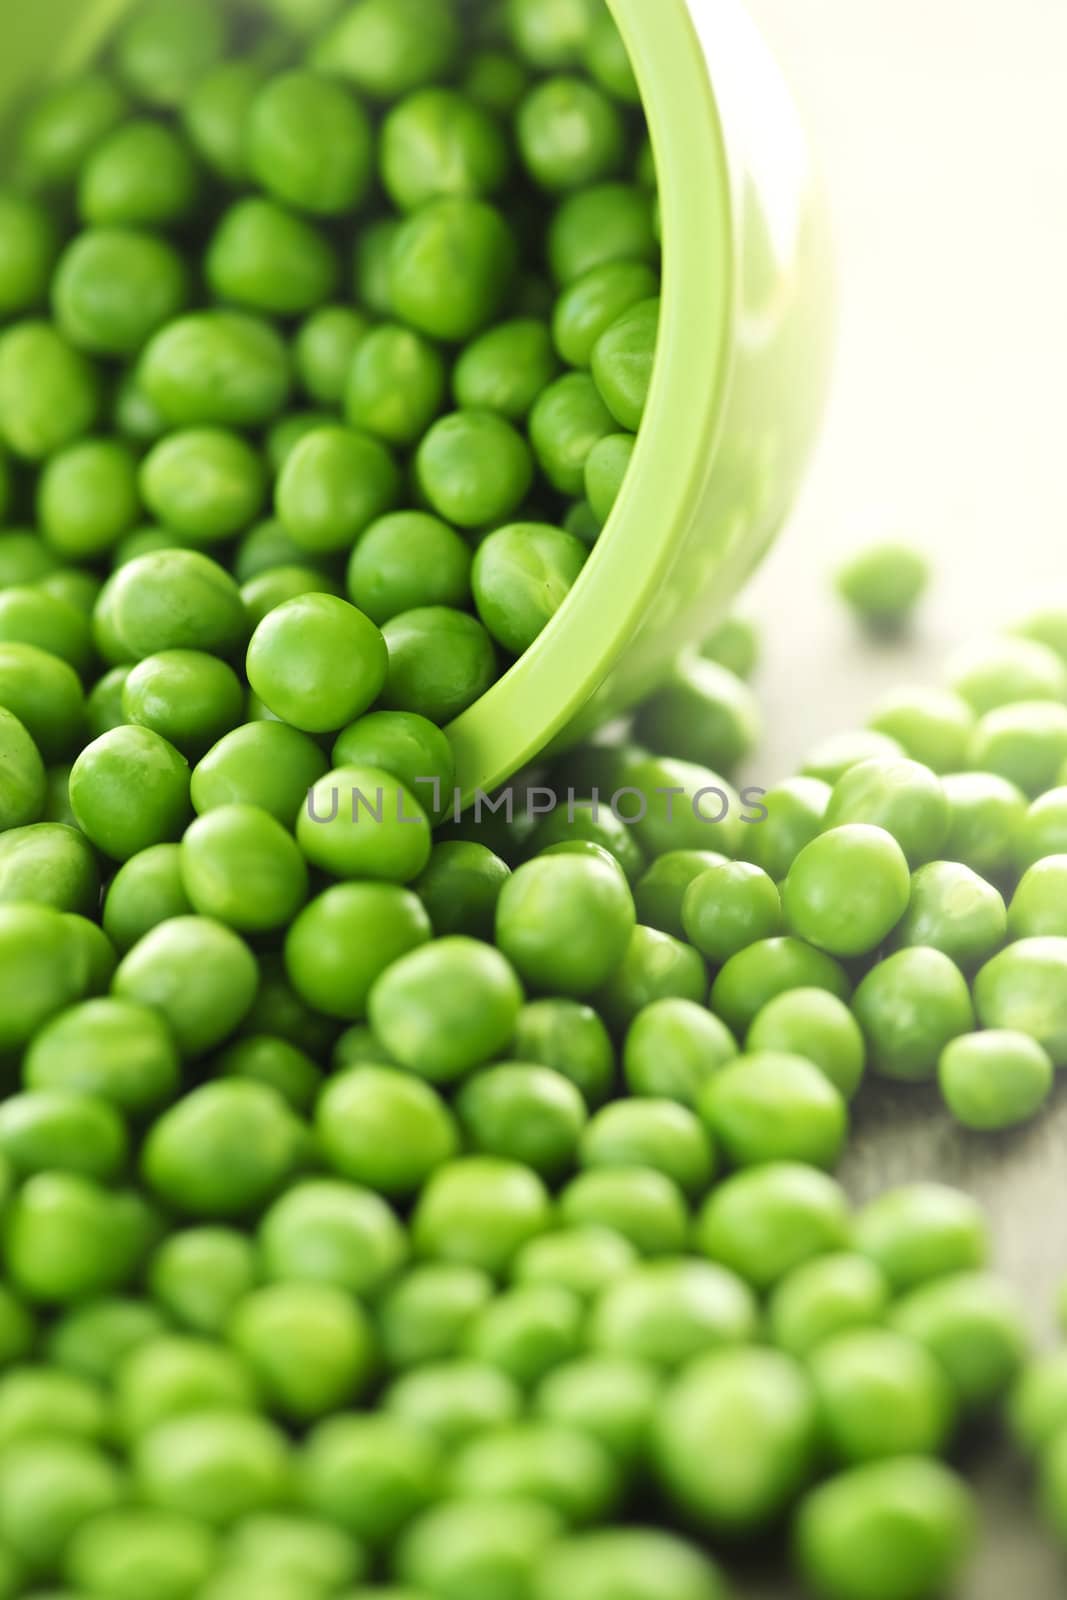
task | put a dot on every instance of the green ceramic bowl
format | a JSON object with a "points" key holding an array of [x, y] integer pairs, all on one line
{"points": [[739, 382]]}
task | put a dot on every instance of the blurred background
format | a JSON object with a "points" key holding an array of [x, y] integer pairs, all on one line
{"points": [[941, 128]]}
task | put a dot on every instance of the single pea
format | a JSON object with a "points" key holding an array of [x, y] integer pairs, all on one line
{"points": [[567, 420], [51, 623], [88, 498], [569, 133], [216, 368], [384, 1129], [395, 385], [267, 546], [60, 1130], [68, 1238], [18, 1329], [674, 1049], [999, 672], [50, 863], [386, 48], [660, 892], [207, 484], [424, 1316], [29, 245], [128, 1553], [932, 726], [146, 891], [1037, 1408], [910, 1006], [63, 124], [729, 907], [44, 970], [49, 1488], [215, 1466], [646, 1207], [623, 361], [345, 939], [198, 1276], [24, 556], [222, 1151], [734, 643], [279, 1011], [826, 1297], [479, 1211], [904, 798], [130, 789], [772, 1107], [571, 1038], [455, 1400], [645, 1563], [114, 287], [39, 1399], [1042, 830], [263, 764], [654, 967], [369, 1475], [359, 822], [333, 486], [446, 1008], [323, 349], [922, 1232], [583, 1260], [93, 1338], [597, 225], [408, 747], [530, 1114], [974, 1325], [297, 1547], [608, 61], [342, 662], [141, 175], [658, 1134], [553, 35], [764, 1223], [75, 588], [436, 143], [22, 775], [440, 662], [309, 143], [847, 889], [581, 521], [451, 265], [883, 585], [309, 1347], [816, 1025], [522, 574], [887, 1530], [242, 867], [558, 1466], [460, 888], [611, 1399], [666, 1313], [986, 817], [467, 1549], [527, 1331], [357, 1047], [474, 468], [50, 391], [995, 1080], [837, 754], [372, 265], [758, 975], [215, 116], [174, 1375], [495, 80], [586, 822], [166, 45], [606, 467], [266, 258], [1036, 907], [275, 1062], [201, 977], [1025, 742], [1048, 626], [881, 1394], [173, 600], [565, 922], [763, 1399], [953, 910], [505, 369], [188, 697], [680, 805]]}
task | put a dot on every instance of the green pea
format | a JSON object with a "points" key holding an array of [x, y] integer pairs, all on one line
{"points": [[455, 1400], [826, 1297], [910, 1006], [758, 975], [342, 942], [673, 1049], [608, 61], [221, 368], [774, 1107], [214, 1466], [215, 116], [569, 134], [335, 483], [658, 1134], [922, 1232], [440, 662], [521, 576], [881, 1394], [623, 361], [360, 1117], [729, 907], [735, 645], [50, 392], [883, 585], [666, 1313], [681, 806], [146, 891], [240, 866], [446, 1008], [423, 1317], [505, 369], [200, 976], [22, 775], [24, 557], [296, 1546], [127, 1552], [275, 1062], [373, 265], [114, 287], [1037, 1407], [1026, 743], [994, 1080], [582, 522], [986, 817], [597, 225], [592, 303], [660, 892], [174, 1375], [647, 1562], [763, 1398], [847, 889], [565, 922], [544, 1461], [585, 822], [473, 467], [323, 349], [567, 420], [583, 1260], [606, 467], [342, 662], [92, 1339], [481, 252], [406, 746], [165, 46], [266, 258], [904, 798], [386, 49], [885, 1530], [33, 616], [837, 754], [975, 1327], [36, 1400], [496, 81], [764, 1223], [68, 1238], [199, 1275], [142, 175], [222, 1150], [479, 1211], [205, 483], [932, 726], [395, 385], [49, 1487], [49, 863], [552, 35], [953, 910], [460, 888], [130, 789], [309, 143], [527, 1331], [30, 244], [571, 1038], [263, 764], [1042, 830], [308, 1345], [530, 1114], [62, 126], [816, 1025], [60, 1130], [188, 697], [998, 672], [369, 1475], [437, 144], [361, 823], [44, 969], [646, 1207], [87, 498]]}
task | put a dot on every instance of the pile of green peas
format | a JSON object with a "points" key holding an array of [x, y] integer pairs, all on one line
{"points": [[402, 1207]]}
